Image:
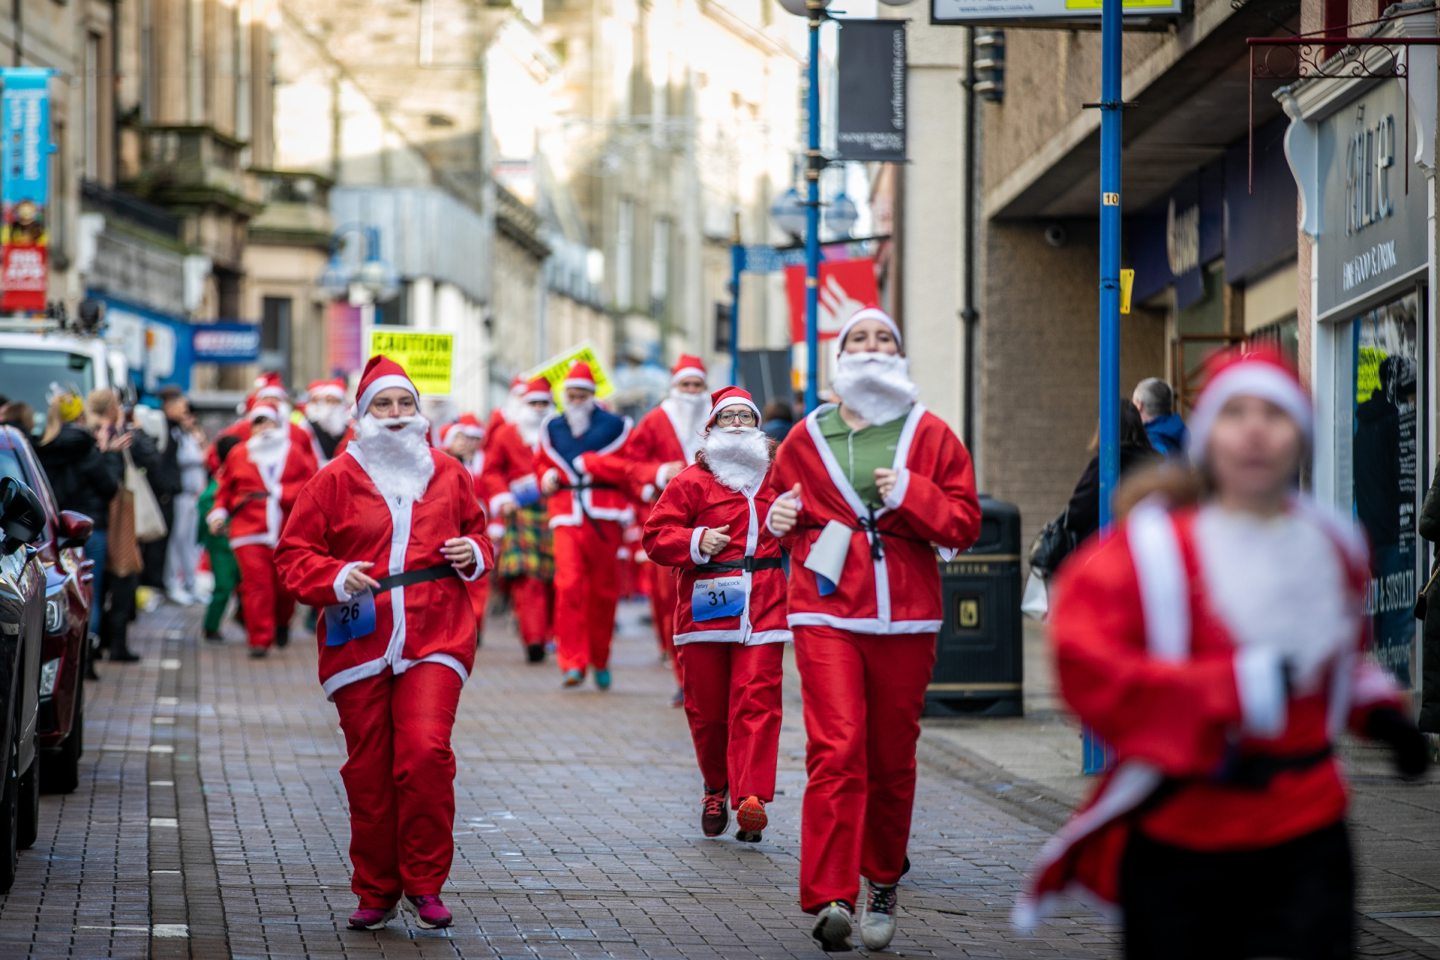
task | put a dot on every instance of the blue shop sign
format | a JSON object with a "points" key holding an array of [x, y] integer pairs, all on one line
{"points": [[225, 343]]}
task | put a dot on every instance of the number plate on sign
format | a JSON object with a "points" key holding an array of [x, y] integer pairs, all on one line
{"points": [[717, 598], [350, 620]]}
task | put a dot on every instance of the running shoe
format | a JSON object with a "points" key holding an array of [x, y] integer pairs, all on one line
{"points": [[877, 927], [572, 678], [714, 812], [371, 918], [832, 928], [751, 820], [429, 912], [535, 653], [602, 679]]}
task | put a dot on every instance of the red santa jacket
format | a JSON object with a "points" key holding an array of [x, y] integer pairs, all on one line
{"points": [[509, 474], [695, 502], [240, 430], [656, 441], [341, 520], [891, 581], [594, 482], [257, 500], [1145, 661]]}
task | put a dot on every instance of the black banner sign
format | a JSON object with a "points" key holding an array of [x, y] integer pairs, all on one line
{"points": [[871, 91]]}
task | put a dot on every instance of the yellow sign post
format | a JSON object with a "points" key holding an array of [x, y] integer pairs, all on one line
{"points": [[555, 369], [427, 357], [1127, 284]]}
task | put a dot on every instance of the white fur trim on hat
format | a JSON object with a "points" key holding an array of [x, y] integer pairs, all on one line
{"points": [[384, 383], [579, 384], [267, 410], [328, 390], [1257, 379], [735, 401], [684, 372], [537, 396], [869, 313], [272, 392]]}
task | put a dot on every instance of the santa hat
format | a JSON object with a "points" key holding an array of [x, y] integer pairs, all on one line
{"points": [[269, 386], [867, 313], [517, 386], [470, 425], [448, 432], [537, 390], [326, 388], [730, 397], [1263, 373], [580, 377], [263, 410], [382, 373], [687, 366]]}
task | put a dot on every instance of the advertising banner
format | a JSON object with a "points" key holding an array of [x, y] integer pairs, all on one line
{"points": [[427, 357], [24, 188], [870, 116], [226, 344], [845, 287], [555, 369], [343, 340], [1039, 12]]}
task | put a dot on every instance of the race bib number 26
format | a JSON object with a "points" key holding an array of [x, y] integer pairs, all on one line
{"points": [[350, 620], [717, 598]]}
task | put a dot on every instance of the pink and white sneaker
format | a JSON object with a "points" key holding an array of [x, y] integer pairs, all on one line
{"points": [[429, 912], [371, 918]]}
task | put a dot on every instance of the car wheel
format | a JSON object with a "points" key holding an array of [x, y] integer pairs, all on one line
{"points": [[9, 815], [27, 812], [60, 769]]}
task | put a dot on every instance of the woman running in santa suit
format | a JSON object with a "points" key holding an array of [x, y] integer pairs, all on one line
{"points": [[1216, 642], [730, 627], [390, 540], [867, 491]]}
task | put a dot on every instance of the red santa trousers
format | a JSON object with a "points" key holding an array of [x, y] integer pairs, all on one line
{"points": [[732, 700], [664, 593], [263, 600], [400, 781], [587, 588], [534, 601], [863, 696], [479, 602]]}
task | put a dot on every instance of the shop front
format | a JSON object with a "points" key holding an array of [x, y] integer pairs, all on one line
{"points": [[1372, 339]]}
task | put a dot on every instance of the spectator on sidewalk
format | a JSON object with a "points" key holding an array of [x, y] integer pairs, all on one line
{"points": [[728, 611], [168, 430], [1083, 514], [182, 556], [865, 493], [1155, 401], [1217, 643], [122, 559], [223, 568], [21, 416], [397, 641]]}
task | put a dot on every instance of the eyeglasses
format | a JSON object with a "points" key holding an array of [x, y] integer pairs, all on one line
{"points": [[742, 417]]}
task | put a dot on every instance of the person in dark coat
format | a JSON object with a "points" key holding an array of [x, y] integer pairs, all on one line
{"points": [[165, 481], [1083, 517], [778, 421], [1430, 685], [1155, 399]]}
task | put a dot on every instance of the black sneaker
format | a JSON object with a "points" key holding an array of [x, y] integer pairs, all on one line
{"points": [[833, 927], [714, 812], [214, 636], [535, 653], [259, 653], [282, 637]]}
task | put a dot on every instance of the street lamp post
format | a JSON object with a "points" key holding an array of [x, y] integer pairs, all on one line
{"points": [[814, 163], [374, 276]]}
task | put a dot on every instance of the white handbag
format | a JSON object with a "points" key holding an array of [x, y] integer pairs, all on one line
{"points": [[149, 521]]}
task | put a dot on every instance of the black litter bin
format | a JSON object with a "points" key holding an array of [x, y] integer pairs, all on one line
{"points": [[978, 665]]}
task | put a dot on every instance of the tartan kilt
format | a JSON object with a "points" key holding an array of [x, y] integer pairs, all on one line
{"points": [[527, 550]]}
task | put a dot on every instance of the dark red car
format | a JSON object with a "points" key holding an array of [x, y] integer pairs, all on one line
{"points": [[67, 646]]}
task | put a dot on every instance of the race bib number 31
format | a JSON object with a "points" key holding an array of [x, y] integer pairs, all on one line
{"points": [[350, 620], [717, 598]]}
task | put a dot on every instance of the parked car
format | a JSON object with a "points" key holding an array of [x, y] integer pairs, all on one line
{"points": [[22, 634], [67, 648]]}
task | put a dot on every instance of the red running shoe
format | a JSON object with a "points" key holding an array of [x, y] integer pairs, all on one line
{"points": [[371, 918], [751, 820], [429, 912], [714, 812]]}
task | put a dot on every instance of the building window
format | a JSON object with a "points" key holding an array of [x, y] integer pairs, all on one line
{"points": [[93, 86], [625, 254], [275, 317], [660, 266]]}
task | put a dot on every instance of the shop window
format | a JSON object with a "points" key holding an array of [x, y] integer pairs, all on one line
{"points": [[1282, 336]]}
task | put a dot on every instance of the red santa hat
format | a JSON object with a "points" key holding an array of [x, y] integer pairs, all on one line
{"points": [[1262, 373], [269, 386], [470, 425], [448, 432], [263, 410], [867, 313], [687, 366], [517, 386], [382, 373], [537, 390], [581, 377], [327, 388], [730, 397]]}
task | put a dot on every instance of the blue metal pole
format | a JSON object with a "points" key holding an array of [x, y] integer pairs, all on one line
{"points": [[1111, 117], [816, 11], [737, 265]]}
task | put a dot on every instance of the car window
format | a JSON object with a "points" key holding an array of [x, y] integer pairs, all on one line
{"points": [[29, 374], [11, 466]]}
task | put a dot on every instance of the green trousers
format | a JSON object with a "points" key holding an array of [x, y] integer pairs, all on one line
{"points": [[227, 577]]}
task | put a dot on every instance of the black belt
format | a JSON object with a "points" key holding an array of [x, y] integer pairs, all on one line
{"points": [[589, 485], [410, 577], [1256, 770], [748, 564]]}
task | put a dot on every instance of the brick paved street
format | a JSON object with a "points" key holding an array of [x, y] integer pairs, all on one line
{"points": [[211, 823]]}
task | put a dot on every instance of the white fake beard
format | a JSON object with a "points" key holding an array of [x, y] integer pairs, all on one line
{"points": [[528, 421], [398, 461], [579, 416], [330, 417], [689, 412], [877, 386], [737, 456], [268, 448]]}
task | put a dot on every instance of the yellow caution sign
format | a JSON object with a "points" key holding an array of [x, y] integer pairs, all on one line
{"points": [[558, 367], [427, 357], [1127, 284]]}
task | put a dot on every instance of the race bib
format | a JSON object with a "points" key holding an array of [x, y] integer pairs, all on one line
{"points": [[526, 491], [350, 620], [717, 598]]}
